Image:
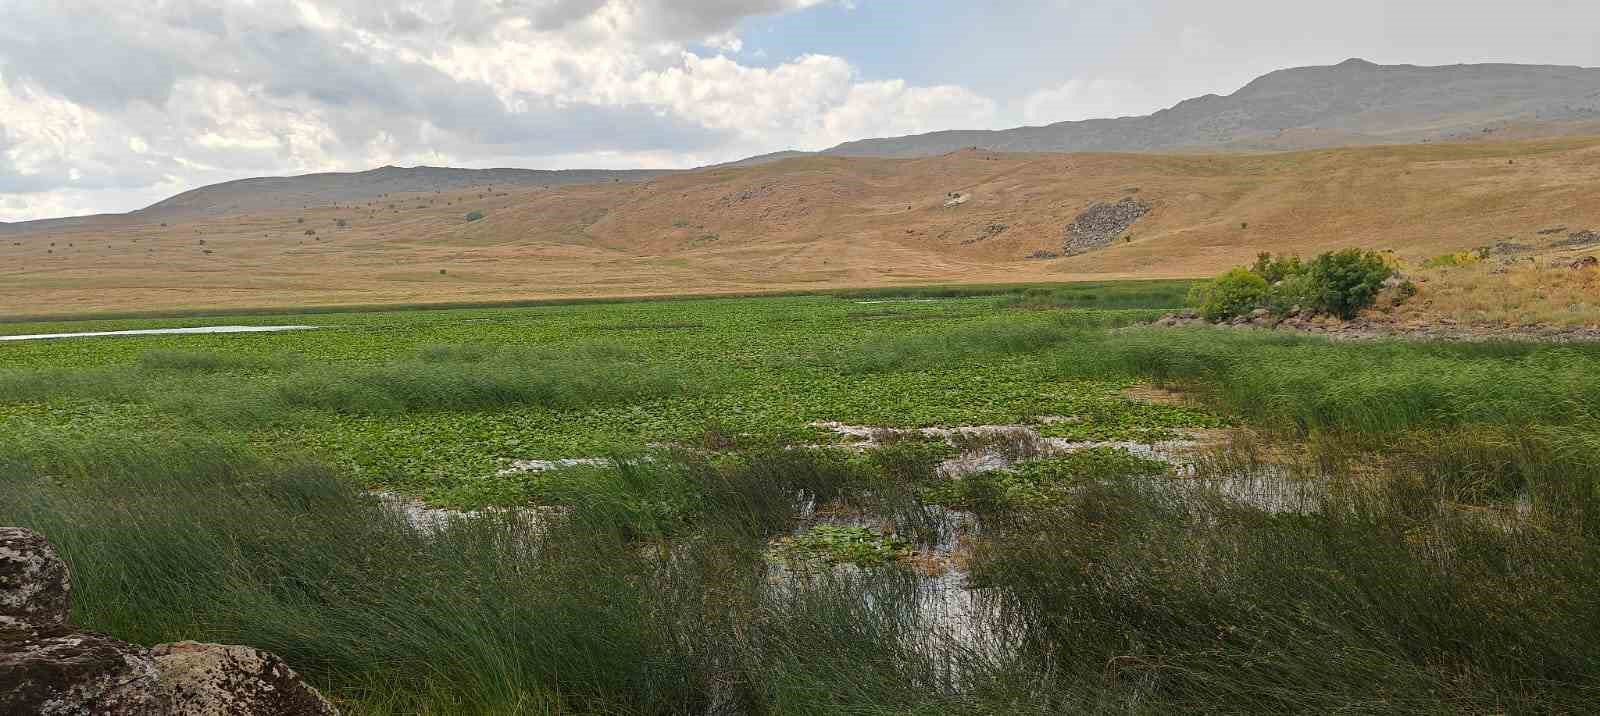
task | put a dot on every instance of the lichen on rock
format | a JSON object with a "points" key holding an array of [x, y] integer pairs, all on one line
{"points": [[219, 679], [35, 586]]}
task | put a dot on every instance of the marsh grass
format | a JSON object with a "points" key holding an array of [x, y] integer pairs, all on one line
{"points": [[1447, 565], [996, 337], [212, 388], [1380, 601], [606, 609], [1084, 294], [1127, 592], [1311, 384], [1146, 295]]}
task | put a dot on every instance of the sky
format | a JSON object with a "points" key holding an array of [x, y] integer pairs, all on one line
{"points": [[109, 107]]}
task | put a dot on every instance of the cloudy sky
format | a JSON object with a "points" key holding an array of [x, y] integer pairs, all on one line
{"points": [[110, 106]]}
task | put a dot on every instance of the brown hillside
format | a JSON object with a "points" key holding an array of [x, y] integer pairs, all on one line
{"points": [[816, 222]]}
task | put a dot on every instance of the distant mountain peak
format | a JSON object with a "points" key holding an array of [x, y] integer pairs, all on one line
{"points": [[1354, 102]]}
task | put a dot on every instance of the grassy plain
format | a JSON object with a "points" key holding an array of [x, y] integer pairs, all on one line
{"points": [[1393, 528]]}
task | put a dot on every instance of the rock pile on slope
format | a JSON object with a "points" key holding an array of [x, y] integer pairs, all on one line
{"points": [[49, 667], [1578, 238], [987, 233], [1509, 248], [1101, 224]]}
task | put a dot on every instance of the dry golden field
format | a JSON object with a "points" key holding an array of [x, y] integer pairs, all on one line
{"points": [[811, 223]]}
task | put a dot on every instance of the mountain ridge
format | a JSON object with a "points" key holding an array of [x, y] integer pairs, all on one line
{"points": [[1355, 102], [1367, 102]]}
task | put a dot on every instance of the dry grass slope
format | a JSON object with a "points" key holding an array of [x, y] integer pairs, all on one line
{"points": [[815, 222]]}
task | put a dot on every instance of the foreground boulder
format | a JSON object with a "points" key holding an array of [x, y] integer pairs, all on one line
{"points": [[78, 673], [35, 587], [49, 668], [216, 679]]}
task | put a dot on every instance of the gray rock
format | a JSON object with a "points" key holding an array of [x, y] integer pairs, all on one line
{"points": [[35, 586], [987, 233], [78, 674], [1508, 248], [207, 679], [1578, 238]]}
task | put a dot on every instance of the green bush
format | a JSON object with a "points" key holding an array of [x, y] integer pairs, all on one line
{"points": [[1277, 269], [474, 215], [1340, 283], [1348, 280], [1235, 293], [1294, 293]]}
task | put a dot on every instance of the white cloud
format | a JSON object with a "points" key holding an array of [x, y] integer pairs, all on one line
{"points": [[874, 109], [166, 94], [1090, 98]]}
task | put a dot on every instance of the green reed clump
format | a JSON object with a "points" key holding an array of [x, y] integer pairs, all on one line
{"points": [[1152, 295], [1182, 599], [498, 614], [187, 361], [247, 391], [977, 341], [1377, 387], [28, 385]]}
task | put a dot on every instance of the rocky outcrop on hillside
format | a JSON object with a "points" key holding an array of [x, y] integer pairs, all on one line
{"points": [[1578, 239], [1100, 225], [50, 668]]}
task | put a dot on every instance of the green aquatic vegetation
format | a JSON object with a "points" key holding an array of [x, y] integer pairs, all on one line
{"points": [[1095, 463], [1131, 421], [1035, 482], [836, 544], [431, 402]]}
